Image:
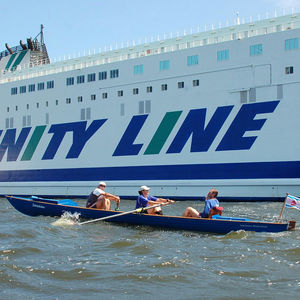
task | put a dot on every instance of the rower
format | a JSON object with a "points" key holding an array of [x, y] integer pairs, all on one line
{"points": [[211, 207], [100, 199], [144, 200]]}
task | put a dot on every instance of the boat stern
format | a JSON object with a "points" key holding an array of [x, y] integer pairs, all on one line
{"points": [[292, 225]]}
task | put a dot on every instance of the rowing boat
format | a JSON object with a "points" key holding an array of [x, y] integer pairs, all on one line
{"points": [[36, 206]]}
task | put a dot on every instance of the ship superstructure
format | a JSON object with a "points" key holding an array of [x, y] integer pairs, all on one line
{"points": [[216, 108]]}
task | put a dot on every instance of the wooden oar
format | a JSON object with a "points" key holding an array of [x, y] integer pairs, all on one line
{"points": [[138, 210]]}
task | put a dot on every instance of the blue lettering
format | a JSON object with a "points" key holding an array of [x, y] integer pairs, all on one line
{"points": [[126, 146], [80, 137], [13, 148], [194, 125], [244, 121]]}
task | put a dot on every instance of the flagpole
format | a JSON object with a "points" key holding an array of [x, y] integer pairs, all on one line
{"points": [[282, 208]]}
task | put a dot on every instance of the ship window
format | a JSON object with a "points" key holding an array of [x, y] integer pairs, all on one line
{"points": [[80, 79], [164, 65], [192, 60], [41, 86], [114, 73], [120, 93], [104, 95], [50, 84], [252, 95], [93, 97], [102, 75], [147, 106], [23, 89], [135, 91], [37, 105], [138, 69], [7, 109], [70, 81], [144, 107], [85, 113], [196, 82], [9, 123], [16, 108], [291, 44], [149, 89], [243, 96], [141, 107], [181, 84], [223, 55], [256, 50], [88, 113], [79, 98], [47, 118], [164, 87], [82, 114], [122, 109], [289, 70], [279, 91], [27, 106], [47, 103], [68, 100], [31, 87], [56, 102], [26, 121], [91, 77], [14, 91]]}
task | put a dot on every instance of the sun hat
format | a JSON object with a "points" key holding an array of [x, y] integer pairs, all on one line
{"points": [[144, 188], [102, 183]]}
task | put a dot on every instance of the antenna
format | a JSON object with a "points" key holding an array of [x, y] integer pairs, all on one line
{"points": [[42, 34], [238, 18]]}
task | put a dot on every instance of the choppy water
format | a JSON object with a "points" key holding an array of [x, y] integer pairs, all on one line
{"points": [[106, 261]]}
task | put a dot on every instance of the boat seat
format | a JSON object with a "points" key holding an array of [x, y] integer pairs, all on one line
{"points": [[218, 210]]}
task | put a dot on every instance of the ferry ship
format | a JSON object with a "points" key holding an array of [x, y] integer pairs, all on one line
{"points": [[218, 108]]}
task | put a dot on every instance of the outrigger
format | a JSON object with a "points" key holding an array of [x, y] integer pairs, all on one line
{"points": [[37, 206]]}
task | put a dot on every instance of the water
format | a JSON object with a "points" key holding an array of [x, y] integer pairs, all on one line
{"points": [[106, 261]]}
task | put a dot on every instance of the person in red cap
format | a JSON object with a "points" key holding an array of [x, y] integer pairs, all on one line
{"points": [[144, 200], [100, 199]]}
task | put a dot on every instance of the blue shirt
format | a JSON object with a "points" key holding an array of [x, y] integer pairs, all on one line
{"points": [[209, 204], [143, 202]]}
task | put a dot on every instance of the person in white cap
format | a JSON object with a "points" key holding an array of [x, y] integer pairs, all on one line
{"points": [[100, 199], [144, 200]]}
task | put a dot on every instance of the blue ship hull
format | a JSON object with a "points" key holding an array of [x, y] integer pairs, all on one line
{"points": [[36, 206]]}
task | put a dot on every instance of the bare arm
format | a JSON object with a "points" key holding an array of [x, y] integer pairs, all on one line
{"points": [[162, 200], [111, 197]]}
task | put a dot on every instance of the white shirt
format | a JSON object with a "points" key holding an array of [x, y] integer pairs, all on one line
{"points": [[98, 192]]}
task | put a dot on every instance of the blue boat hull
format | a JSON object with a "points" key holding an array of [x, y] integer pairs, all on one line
{"points": [[47, 207]]}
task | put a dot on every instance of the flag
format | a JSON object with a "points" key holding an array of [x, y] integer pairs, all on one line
{"points": [[292, 202]]}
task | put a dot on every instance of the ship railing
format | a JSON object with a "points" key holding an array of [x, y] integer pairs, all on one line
{"points": [[167, 45]]}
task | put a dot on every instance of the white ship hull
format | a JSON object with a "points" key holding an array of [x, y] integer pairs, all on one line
{"points": [[179, 119]]}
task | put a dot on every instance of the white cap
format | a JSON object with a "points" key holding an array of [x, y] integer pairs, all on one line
{"points": [[102, 183], [144, 188]]}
